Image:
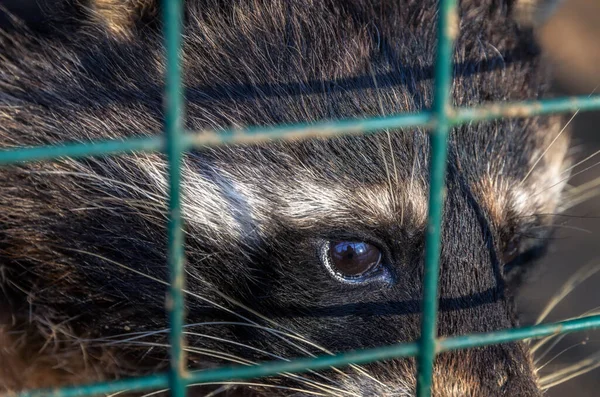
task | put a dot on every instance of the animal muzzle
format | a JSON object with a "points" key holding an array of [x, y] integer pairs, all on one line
{"points": [[494, 371]]}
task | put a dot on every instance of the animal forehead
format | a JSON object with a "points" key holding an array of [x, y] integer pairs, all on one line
{"points": [[348, 180], [342, 160]]}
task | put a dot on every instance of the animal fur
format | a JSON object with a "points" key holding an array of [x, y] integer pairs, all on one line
{"points": [[82, 241]]}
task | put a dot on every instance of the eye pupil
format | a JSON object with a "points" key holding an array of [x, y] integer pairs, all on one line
{"points": [[353, 258]]}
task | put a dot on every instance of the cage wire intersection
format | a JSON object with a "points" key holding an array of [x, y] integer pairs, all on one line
{"points": [[175, 141]]}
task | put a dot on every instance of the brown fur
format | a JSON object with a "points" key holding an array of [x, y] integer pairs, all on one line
{"points": [[83, 241], [121, 16]]}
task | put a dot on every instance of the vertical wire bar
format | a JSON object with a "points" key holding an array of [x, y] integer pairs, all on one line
{"points": [[447, 31], [174, 146]]}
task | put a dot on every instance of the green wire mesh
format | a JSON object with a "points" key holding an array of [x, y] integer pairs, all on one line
{"points": [[176, 141]]}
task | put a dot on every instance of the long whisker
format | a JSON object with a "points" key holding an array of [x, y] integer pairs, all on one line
{"points": [[559, 337], [580, 199], [568, 227], [266, 353], [139, 335], [110, 341], [581, 193], [204, 299], [219, 390], [239, 360], [353, 366], [560, 215], [556, 340], [552, 143], [554, 140], [411, 183], [536, 162], [266, 385], [567, 178], [572, 371], [577, 278], [557, 355], [192, 349], [580, 162]]}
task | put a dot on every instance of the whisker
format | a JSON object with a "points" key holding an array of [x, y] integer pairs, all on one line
{"points": [[580, 199], [117, 393], [572, 282], [580, 162], [543, 341], [572, 371], [239, 360], [245, 361], [266, 385], [557, 355], [567, 178], [560, 215], [554, 140], [412, 179], [235, 302], [218, 391], [552, 143], [357, 368], [139, 335], [263, 352], [548, 147], [581, 193], [579, 229]]}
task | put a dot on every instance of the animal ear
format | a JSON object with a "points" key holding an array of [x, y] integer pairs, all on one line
{"points": [[534, 13], [121, 17]]}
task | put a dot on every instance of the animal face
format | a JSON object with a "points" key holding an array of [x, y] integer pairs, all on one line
{"points": [[293, 248]]}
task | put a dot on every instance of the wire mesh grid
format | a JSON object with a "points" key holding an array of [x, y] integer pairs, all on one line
{"points": [[175, 141]]}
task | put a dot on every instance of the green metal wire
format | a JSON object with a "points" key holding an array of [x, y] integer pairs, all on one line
{"points": [[175, 141], [174, 150], [447, 30], [77, 150], [323, 362], [199, 139]]}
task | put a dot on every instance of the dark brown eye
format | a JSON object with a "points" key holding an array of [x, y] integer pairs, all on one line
{"points": [[353, 258]]}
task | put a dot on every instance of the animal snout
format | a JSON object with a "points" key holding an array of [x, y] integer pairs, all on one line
{"points": [[503, 370], [494, 371]]}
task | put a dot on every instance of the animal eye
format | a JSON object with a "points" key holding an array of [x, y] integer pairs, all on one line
{"points": [[353, 258], [511, 251]]}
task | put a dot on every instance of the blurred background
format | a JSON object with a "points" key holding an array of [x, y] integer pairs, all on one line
{"points": [[570, 38]]}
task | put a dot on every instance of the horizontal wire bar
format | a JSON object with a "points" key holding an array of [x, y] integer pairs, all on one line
{"points": [[198, 139], [324, 362], [87, 149], [525, 108], [152, 382], [217, 137], [515, 334], [322, 129]]}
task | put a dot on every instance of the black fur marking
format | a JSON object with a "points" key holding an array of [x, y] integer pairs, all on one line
{"points": [[82, 242]]}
